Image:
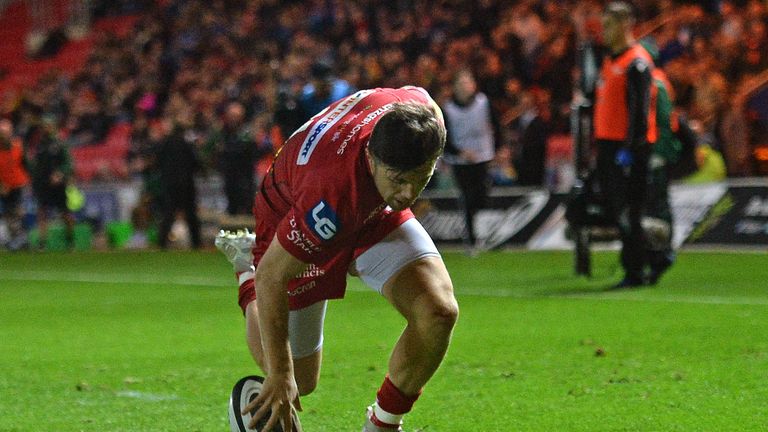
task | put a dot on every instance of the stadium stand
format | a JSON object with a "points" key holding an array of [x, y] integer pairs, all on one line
{"points": [[261, 53], [141, 64]]}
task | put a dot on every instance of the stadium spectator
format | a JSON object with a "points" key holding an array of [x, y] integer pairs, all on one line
{"points": [[501, 169], [658, 221], [532, 133], [323, 89], [710, 166], [146, 137], [336, 201], [734, 127], [50, 166], [622, 134], [470, 146], [235, 152], [13, 178], [177, 163], [261, 54]]}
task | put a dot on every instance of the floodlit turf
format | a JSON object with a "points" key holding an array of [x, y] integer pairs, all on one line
{"points": [[154, 342]]}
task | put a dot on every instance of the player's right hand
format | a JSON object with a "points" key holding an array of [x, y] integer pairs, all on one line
{"points": [[278, 393]]}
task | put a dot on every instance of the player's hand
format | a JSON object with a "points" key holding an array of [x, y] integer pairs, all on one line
{"points": [[278, 392]]}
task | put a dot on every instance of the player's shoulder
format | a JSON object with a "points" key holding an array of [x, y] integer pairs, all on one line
{"points": [[411, 93]]}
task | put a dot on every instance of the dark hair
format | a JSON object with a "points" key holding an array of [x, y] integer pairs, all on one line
{"points": [[407, 136]]}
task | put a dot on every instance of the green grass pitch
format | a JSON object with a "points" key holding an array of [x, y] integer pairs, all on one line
{"points": [[154, 342]]}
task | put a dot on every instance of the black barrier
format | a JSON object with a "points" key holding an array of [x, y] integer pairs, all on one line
{"points": [[510, 218], [733, 213], [739, 218]]}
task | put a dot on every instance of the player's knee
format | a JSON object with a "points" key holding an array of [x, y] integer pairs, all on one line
{"points": [[441, 315], [448, 312]]}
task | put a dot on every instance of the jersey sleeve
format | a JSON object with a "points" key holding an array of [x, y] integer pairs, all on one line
{"points": [[424, 97], [313, 233]]}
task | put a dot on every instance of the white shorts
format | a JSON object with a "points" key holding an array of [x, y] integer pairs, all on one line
{"points": [[406, 244]]}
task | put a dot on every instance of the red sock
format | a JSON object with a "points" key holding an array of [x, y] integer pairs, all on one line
{"points": [[393, 402], [247, 292]]}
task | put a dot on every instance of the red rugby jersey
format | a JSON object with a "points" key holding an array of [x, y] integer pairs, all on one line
{"points": [[319, 196]]}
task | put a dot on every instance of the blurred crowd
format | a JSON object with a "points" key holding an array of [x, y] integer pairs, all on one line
{"points": [[233, 79]]}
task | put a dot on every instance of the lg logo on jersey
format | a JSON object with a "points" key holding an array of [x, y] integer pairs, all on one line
{"points": [[323, 221]]}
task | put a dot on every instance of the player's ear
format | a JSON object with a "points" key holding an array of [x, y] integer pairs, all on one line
{"points": [[369, 157]]}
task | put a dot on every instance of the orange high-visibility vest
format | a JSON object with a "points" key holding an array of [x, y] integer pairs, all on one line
{"points": [[12, 172], [611, 121]]}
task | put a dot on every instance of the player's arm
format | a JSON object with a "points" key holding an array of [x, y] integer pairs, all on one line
{"points": [[638, 101], [276, 268]]}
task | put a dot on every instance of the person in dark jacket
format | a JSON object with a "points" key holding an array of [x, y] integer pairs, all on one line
{"points": [[177, 163], [532, 134], [235, 151], [50, 165]]}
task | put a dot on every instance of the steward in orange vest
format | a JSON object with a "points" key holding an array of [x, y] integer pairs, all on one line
{"points": [[624, 126], [623, 108], [13, 178], [12, 172]]}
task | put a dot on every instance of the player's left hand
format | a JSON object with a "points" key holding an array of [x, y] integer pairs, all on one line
{"points": [[278, 394]]}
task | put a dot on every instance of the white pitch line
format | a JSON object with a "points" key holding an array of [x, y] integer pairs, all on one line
{"points": [[221, 282], [151, 397], [115, 278]]}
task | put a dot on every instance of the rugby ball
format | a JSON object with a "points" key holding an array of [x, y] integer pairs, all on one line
{"points": [[243, 393]]}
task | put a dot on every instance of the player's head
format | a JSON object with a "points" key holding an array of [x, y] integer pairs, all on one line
{"points": [[618, 19], [464, 85], [6, 131], [403, 151]]}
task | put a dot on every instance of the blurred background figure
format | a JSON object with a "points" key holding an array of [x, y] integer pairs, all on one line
{"points": [[13, 178], [323, 89], [50, 166], [235, 153], [532, 132], [470, 146], [623, 135], [177, 163]]}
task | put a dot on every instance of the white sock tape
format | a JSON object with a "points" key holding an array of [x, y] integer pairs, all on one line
{"points": [[393, 419], [244, 276]]}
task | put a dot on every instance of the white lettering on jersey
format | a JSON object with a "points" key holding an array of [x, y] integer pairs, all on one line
{"points": [[324, 123], [369, 118], [324, 226], [299, 239]]}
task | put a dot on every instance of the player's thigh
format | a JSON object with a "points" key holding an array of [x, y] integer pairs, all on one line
{"points": [[406, 267], [422, 289]]}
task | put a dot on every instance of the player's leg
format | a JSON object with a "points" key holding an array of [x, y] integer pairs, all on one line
{"points": [[305, 329], [422, 292], [408, 270], [305, 325]]}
